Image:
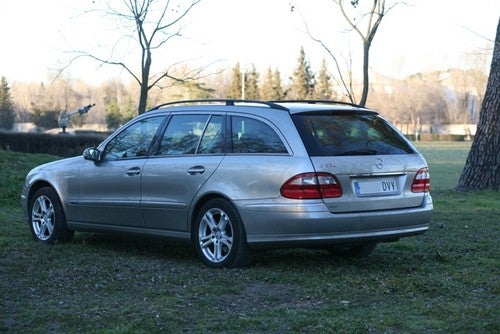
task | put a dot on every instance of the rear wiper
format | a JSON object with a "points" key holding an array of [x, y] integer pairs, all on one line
{"points": [[359, 152]]}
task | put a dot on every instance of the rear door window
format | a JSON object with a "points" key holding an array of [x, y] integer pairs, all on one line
{"points": [[253, 136], [192, 134], [347, 134]]}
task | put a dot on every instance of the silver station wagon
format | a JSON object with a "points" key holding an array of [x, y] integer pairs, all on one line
{"points": [[233, 176]]}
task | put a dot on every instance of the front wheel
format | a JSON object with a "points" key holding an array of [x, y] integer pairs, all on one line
{"points": [[219, 236], [47, 221]]}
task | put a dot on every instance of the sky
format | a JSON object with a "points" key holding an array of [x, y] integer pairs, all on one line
{"points": [[424, 35]]}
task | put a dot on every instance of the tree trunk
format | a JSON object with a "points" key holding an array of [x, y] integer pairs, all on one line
{"points": [[146, 67], [482, 168], [366, 81], [143, 99]]}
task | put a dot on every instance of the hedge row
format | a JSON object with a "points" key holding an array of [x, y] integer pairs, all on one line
{"points": [[66, 145], [63, 145]]}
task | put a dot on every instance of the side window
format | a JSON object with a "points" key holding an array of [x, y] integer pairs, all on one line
{"points": [[134, 141], [183, 134], [253, 136], [211, 142]]}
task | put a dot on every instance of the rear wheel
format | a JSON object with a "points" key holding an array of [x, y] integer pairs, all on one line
{"points": [[47, 221], [349, 250], [219, 236]]}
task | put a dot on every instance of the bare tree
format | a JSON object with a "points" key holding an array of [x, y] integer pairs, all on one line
{"points": [[482, 168], [344, 81], [153, 24], [373, 18], [468, 86], [365, 21]]}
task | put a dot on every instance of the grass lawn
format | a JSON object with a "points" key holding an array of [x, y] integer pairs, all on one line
{"points": [[443, 281], [446, 161]]}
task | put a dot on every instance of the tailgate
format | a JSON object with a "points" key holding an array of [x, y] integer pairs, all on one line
{"points": [[371, 183]]}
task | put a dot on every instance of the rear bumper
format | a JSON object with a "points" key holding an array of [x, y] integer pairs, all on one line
{"points": [[313, 225], [315, 240]]}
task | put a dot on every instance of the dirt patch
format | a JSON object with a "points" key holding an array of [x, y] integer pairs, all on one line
{"points": [[258, 296]]}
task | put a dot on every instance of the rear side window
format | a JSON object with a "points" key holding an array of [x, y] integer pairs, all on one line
{"points": [[253, 136], [349, 134]]}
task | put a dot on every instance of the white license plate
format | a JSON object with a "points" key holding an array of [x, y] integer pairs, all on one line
{"points": [[378, 186]]}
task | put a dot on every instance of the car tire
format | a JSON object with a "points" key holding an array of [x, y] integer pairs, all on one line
{"points": [[219, 236], [348, 250], [46, 217]]}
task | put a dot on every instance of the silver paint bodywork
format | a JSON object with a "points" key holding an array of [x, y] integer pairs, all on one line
{"points": [[160, 195]]}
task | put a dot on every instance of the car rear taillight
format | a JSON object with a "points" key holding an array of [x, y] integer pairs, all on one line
{"points": [[422, 181], [311, 186]]}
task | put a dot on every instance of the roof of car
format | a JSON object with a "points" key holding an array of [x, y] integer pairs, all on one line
{"points": [[292, 106]]}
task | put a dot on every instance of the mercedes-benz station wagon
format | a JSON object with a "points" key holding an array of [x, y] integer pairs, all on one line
{"points": [[234, 176]]}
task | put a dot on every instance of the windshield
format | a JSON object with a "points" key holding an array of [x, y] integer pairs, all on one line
{"points": [[347, 134]]}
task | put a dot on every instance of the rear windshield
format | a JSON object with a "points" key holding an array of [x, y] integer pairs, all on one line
{"points": [[349, 134]]}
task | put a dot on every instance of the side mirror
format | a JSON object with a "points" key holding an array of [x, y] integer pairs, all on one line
{"points": [[92, 154]]}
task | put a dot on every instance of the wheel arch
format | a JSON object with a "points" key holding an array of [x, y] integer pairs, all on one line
{"points": [[201, 201], [37, 186], [43, 184], [235, 253]]}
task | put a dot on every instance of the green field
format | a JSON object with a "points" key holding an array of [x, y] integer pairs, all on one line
{"points": [[446, 161], [443, 281]]}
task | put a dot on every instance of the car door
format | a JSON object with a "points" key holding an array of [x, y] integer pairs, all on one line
{"points": [[189, 152], [110, 189]]}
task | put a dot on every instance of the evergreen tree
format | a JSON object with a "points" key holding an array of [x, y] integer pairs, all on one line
{"points": [[302, 86], [277, 88], [323, 89], [7, 114], [266, 88], [113, 115], [234, 91], [271, 88], [128, 111], [198, 90], [45, 116], [252, 84]]}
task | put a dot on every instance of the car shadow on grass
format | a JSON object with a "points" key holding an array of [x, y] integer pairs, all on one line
{"points": [[392, 256], [135, 246]]}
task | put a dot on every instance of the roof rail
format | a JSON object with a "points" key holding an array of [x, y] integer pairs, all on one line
{"points": [[320, 101], [228, 102]]}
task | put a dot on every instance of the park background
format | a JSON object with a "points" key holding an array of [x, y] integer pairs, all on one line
{"points": [[428, 67]]}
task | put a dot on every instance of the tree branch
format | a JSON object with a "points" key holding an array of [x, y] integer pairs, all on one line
{"points": [[347, 91], [81, 54]]}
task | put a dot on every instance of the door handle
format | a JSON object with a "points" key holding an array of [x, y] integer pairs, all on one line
{"points": [[133, 171], [196, 170]]}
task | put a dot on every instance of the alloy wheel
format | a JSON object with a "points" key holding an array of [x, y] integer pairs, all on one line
{"points": [[215, 235], [43, 218]]}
